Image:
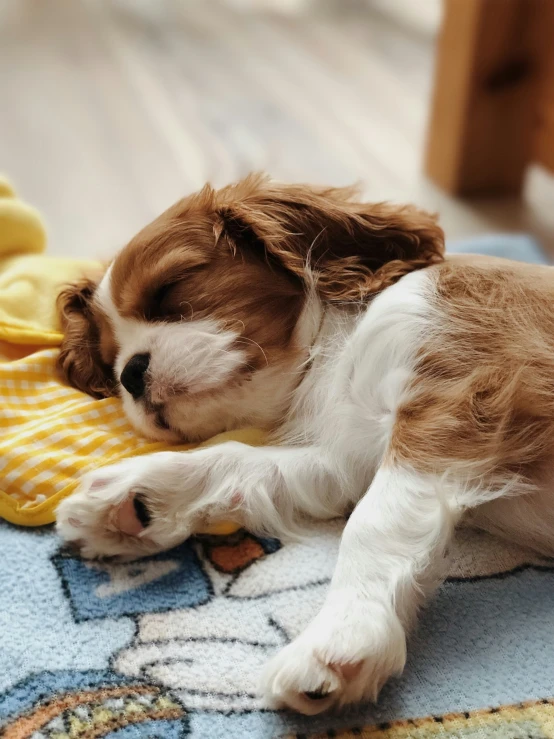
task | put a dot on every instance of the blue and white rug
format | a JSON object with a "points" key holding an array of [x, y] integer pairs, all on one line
{"points": [[171, 646]]}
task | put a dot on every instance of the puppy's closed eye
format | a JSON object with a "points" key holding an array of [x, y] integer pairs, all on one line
{"points": [[167, 303]]}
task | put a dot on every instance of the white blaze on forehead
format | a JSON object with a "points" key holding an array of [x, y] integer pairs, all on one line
{"points": [[103, 295]]}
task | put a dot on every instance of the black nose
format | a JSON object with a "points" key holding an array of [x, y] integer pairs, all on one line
{"points": [[143, 514], [132, 377]]}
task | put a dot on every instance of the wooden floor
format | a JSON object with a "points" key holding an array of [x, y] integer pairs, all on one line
{"points": [[112, 109]]}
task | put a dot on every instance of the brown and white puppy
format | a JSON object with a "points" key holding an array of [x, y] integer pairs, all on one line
{"points": [[414, 388], [213, 295]]}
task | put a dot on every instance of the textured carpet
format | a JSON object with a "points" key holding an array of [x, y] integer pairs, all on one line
{"points": [[171, 646]]}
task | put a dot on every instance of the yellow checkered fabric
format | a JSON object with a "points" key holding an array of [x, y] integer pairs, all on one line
{"points": [[51, 434]]}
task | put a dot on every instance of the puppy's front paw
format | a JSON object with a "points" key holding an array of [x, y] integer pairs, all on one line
{"points": [[344, 656], [127, 509]]}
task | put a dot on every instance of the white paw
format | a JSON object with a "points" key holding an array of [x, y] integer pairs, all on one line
{"points": [[130, 509], [344, 656]]}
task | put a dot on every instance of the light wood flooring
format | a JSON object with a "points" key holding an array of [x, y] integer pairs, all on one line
{"points": [[112, 109]]}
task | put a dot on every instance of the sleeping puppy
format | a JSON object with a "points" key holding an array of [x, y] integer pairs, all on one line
{"points": [[417, 390]]}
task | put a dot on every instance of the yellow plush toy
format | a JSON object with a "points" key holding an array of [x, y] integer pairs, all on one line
{"points": [[50, 433]]}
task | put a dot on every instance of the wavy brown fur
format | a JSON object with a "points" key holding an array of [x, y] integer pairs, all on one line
{"points": [[80, 360], [483, 394], [356, 249]]}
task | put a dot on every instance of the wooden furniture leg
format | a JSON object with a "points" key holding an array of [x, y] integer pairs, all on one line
{"points": [[490, 58]]}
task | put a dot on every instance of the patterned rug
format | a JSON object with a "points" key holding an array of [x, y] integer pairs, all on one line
{"points": [[171, 646]]}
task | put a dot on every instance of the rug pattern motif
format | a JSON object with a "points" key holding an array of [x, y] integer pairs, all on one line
{"points": [[171, 646]]}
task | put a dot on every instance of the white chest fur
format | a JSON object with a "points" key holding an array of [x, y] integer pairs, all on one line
{"points": [[361, 366]]}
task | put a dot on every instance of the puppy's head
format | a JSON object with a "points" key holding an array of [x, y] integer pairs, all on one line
{"points": [[203, 321]]}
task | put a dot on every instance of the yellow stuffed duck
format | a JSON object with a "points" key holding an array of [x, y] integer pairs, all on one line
{"points": [[50, 433]]}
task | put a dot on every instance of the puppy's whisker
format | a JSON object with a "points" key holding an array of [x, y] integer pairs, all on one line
{"points": [[247, 339]]}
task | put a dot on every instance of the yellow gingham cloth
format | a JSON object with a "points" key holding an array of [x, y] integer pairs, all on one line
{"points": [[50, 434]]}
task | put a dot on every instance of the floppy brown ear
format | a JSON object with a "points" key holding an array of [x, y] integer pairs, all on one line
{"points": [[353, 249], [80, 361]]}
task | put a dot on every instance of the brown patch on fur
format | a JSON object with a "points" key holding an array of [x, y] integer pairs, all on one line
{"points": [[88, 348], [484, 391], [175, 269], [240, 255], [355, 249]]}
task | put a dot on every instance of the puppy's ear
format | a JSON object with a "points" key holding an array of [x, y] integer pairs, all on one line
{"points": [[80, 361], [351, 250]]}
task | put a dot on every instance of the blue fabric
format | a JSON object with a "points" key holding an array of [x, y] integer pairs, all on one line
{"points": [[519, 247], [183, 585]]}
